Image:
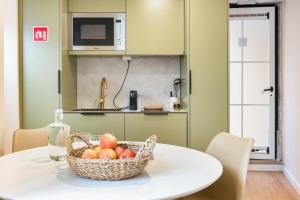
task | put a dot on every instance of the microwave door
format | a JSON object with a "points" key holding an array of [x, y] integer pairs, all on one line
{"points": [[93, 34]]}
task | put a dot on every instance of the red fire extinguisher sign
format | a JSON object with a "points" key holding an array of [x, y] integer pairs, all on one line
{"points": [[40, 34]]}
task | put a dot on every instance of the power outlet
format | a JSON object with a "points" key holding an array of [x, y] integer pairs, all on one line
{"points": [[126, 58]]}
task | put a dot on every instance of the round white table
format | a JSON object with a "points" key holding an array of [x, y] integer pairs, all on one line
{"points": [[175, 172]]}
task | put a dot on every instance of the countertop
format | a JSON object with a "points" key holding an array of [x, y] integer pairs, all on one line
{"points": [[89, 111]]}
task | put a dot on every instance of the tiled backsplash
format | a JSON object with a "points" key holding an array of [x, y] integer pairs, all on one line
{"points": [[152, 77]]}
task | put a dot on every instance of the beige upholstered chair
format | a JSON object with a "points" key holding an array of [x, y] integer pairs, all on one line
{"points": [[233, 152], [29, 138]]}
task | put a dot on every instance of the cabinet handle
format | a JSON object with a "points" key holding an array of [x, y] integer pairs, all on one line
{"points": [[190, 81], [92, 113], [58, 81], [156, 113]]}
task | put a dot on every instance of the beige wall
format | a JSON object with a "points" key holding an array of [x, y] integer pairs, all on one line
{"points": [[291, 90], [1, 77]]}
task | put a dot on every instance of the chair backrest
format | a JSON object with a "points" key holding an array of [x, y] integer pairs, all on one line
{"points": [[234, 153], [29, 138]]}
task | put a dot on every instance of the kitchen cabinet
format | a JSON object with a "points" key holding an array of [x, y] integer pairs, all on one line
{"points": [[68, 66], [155, 27], [96, 53], [170, 128], [39, 62], [208, 62], [96, 5], [96, 123]]}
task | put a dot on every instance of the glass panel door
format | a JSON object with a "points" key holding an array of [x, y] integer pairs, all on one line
{"points": [[252, 77]]}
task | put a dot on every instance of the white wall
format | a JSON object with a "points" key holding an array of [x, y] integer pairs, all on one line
{"points": [[291, 90], [1, 79], [9, 99]]}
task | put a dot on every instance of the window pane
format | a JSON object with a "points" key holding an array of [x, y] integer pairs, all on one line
{"points": [[256, 124], [235, 83], [235, 35], [257, 34], [256, 79], [236, 120]]}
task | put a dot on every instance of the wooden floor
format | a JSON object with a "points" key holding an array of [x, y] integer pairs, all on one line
{"points": [[269, 186]]}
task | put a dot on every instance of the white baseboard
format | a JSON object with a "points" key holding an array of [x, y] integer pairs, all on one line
{"points": [[265, 167], [291, 179]]}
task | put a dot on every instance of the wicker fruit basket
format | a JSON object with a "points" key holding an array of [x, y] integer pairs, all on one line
{"points": [[102, 169]]}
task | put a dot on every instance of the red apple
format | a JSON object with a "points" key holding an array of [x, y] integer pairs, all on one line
{"points": [[108, 141], [90, 154], [119, 150], [109, 154], [127, 153]]}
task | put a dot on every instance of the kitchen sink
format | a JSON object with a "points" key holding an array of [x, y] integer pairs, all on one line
{"points": [[96, 109]]}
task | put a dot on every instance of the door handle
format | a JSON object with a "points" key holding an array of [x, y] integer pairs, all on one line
{"points": [[271, 89]]}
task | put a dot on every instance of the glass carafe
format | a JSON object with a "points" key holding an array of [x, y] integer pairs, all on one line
{"points": [[58, 133]]}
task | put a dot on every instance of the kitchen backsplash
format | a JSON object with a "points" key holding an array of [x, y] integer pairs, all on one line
{"points": [[152, 77]]}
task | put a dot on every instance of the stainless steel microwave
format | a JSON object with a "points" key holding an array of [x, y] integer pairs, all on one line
{"points": [[97, 31]]}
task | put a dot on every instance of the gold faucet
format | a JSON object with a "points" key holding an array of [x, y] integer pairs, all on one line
{"points": [[102, 95]]}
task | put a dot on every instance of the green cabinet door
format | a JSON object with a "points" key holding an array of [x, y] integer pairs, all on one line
{"points": [[96, 5], [96, 124], [41, 61], [155, 27], [170, 128], [208, 63]]}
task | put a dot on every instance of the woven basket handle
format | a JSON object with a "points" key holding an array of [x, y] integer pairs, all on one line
{"points": [[146, 150], [79, 136]]}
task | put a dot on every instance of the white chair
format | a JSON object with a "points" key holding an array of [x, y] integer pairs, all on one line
{"points": [[233, 152], [29, 138]]}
